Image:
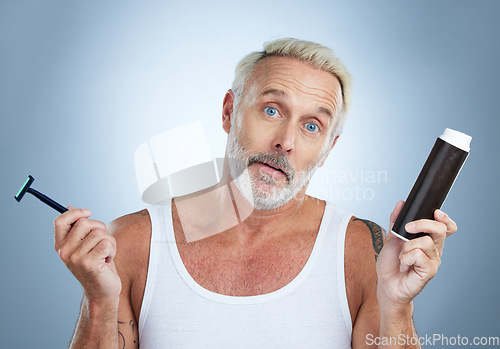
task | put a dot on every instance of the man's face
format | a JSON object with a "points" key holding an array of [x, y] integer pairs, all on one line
{"points": [[282, 129]]}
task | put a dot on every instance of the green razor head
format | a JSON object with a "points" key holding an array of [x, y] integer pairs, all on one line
{"points": [[24, 188]]}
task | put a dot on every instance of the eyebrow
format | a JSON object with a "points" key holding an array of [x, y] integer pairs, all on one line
{"points": [[274, 91], [282, 93], [326, 111]]}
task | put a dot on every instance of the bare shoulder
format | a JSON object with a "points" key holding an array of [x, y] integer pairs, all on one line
{"points": [[363, 243], [367, 236], [130, 223], [133, 234]]}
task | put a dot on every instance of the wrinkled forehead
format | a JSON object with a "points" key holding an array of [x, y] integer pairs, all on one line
{"points": [[296, 78]]}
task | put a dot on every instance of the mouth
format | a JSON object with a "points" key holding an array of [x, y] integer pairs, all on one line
{"points": [[274, 167]]}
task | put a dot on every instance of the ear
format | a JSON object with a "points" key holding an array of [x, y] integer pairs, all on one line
{"points": [[328, 152], [227, 110]]}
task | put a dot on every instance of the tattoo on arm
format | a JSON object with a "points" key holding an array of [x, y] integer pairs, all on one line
{"points": [[121, 337], [377, 235]]}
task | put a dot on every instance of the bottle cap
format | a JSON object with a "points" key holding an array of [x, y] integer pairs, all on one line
{"points": [[457, 139]]}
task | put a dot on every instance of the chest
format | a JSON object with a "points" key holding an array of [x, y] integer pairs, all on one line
{"points": [[251, 271]]}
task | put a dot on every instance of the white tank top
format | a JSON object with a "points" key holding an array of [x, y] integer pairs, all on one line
{"points": [[309, 312]]}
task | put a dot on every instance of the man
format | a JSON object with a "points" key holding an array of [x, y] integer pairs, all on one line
{"points": [[253, 261]]}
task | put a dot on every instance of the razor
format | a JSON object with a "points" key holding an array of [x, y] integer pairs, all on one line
{"points": [[26, 188]]}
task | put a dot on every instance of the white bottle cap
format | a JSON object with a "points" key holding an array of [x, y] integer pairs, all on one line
{"points": [[457, 139]]}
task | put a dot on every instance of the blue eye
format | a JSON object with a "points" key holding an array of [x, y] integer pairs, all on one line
{"points": [[312, 127], [271, 111]]}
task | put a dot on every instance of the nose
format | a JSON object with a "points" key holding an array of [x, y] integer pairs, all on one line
{"points": [[285, 138]]}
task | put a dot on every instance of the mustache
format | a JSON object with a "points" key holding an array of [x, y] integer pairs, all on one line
{"points": [[276, 160]]}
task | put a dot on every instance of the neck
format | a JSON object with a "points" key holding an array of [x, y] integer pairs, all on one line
{"points": [[257, 224], [222, 208]]}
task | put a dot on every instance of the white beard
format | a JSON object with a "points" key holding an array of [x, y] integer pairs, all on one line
{"points": [[275, 196]]}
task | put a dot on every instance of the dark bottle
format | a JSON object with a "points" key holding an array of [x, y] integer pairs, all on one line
{"points": [[434, 181]]}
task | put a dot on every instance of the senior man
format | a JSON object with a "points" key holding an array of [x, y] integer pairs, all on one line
{"points": [[254, 261]]}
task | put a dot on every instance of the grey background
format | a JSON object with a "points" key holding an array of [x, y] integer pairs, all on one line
{"points": [[83, 84]]}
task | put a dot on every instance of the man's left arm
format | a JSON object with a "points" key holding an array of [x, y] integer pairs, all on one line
{"points": [[384, 319]]}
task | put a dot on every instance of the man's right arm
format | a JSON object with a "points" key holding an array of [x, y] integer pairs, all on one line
{"points": [[106, 326], [89, 250]]}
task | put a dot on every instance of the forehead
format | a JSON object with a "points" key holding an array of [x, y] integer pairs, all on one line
{"points": [[296, 78]]}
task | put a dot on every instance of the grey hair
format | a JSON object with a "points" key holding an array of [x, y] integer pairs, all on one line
{"points": [[309, 52]]}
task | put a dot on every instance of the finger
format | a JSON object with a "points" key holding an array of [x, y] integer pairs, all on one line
{"points": [[394, 215], [79, 231], [93, 251], [64, 222], [92, 240], [425, 244], [105, 249], [421, 264], [442, 217], [81, 228], [436, 230]]}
